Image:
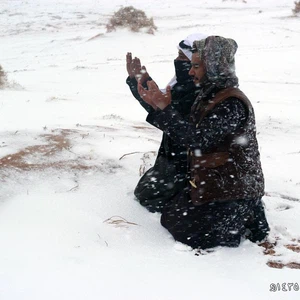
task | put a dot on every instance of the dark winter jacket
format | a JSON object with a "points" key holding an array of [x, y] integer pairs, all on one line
{"points": [[224, 135], [183, 97]]}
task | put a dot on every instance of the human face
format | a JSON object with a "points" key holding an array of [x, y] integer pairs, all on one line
{"points": [[181, 56], [197, 70]]}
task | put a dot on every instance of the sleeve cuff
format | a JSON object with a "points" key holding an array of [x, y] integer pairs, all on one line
{"points": [[161, 118]]}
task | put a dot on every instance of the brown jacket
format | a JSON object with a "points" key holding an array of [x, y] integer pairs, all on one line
{"points": [[232, 170]]}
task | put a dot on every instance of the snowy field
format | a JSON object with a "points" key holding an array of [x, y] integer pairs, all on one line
{"points": [[74, 143]]}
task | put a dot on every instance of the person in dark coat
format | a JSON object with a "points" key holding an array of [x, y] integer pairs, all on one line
{"points": [[161, 182], [221, 202]]}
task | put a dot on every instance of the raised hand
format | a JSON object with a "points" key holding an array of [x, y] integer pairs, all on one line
{"points": [[129, 65], [135, 70], [153, 96], [146, 95]]}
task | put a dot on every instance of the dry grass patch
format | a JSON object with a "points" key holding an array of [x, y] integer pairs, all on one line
{"points": [[270, 249], [118, 221], [296, 9], [50, 154], [56, 143], [132, 18], [19, 160], [3, 78], [293, 247], [280, 265]]}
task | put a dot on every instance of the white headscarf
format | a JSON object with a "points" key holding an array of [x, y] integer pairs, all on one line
{"points": [[186, 47], [188, 41]]}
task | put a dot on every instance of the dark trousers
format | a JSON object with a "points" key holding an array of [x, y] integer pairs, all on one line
{"points": [[159, 185], [214, 224]]}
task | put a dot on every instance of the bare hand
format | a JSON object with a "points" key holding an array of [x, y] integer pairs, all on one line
{"points": [[154, 96], [135, 70]]}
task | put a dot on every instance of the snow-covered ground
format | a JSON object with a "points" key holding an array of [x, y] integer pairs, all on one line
{"points": [[74, 143]]}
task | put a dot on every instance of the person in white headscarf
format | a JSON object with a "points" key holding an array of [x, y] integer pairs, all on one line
{"points": [[161, 182], [185, 47]]}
